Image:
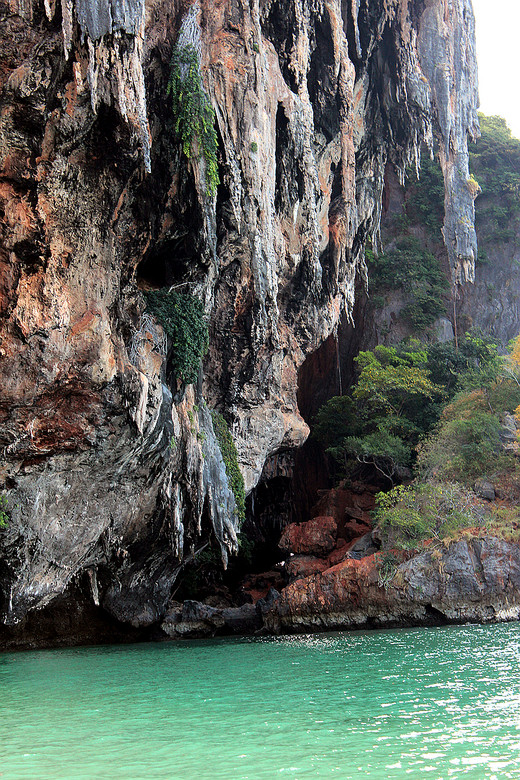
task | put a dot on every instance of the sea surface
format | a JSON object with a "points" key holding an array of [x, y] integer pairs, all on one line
{"points": [[431, 703]]}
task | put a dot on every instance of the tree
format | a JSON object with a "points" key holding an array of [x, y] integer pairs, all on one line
{"points": [[382, 420]]}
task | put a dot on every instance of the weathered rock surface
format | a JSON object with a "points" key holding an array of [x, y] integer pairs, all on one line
{"points": [[475, 580], [193, 620], [315, 537], [111, 470]]}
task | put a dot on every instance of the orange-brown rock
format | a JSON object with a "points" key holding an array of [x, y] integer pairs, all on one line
{"points": [[316, 537], [475, 579], [110, 466], [305, 565]]}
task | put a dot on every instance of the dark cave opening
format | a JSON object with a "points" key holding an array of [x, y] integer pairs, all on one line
{"points": [[176, 256], [322, 82], [168, 263], [293, 481]]}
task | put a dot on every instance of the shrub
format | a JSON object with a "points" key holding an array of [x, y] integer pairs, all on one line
{"points": [[407, 516], [388, 410], [473, 364], [230, 456], [387, 563], [194, 114], [182, 317], [466, 444], [504, 522], [495, 161]]}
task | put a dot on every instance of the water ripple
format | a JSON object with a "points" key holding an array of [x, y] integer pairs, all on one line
{"points": [[436, 702]]}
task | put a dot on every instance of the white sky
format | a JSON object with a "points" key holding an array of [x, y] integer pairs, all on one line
{"points": [[498, 47]]}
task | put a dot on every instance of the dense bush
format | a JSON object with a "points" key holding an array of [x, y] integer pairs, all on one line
{"points": [[4, 515], [495, 161], [389, 409], [447, 402], [182, 317], [472, 363], [464, 448], [405, 516]]}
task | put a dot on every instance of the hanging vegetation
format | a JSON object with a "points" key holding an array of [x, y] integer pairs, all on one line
{"points": [[229, 454], [194, 114], [182, 317]]}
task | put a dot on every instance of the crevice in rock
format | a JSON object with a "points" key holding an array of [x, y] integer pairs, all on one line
{"points": [[290, 185], [279, 26], [322, 80]]}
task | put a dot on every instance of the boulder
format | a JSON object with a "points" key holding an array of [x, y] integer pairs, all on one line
{"points": [[362, 547], [315, 537], [196, 620], [484, 489], [467, 581], [305, 565]]}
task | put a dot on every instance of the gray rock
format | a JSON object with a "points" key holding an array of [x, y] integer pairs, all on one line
{"points": [[443, 330], [484, 489], [197, 620]]}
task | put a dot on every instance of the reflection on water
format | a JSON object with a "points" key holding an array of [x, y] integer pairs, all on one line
{"points": [[429, 702]]}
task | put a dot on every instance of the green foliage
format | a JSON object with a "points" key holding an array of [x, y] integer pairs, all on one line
{"points": [[391, 379], [495, 161], [473, 364], [411, 267], [4, 515], [229, 454], [406, 516], [382, 420], [425, 197], [387, 563], [254, 147], [443, 402], [482, 387], [193, 112], [466, 444], [504, 523], [336, 420], [182, 317]]}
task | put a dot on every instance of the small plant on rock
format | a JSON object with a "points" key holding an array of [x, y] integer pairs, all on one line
{"points": [[407, 516], [4, 516], [230, 456]]}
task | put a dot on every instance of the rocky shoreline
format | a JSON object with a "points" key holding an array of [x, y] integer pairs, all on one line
{"points": [[334, 577], [338, 581]]}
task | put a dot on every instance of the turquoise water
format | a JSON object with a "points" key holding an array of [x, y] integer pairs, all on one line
{"points": [[431, 703]]}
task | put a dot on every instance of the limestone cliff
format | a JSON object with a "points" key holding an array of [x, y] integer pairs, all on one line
{"points": [[110, 466]]}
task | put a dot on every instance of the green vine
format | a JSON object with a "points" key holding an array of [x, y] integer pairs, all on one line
{"points": [[194, 114], [4, 516], [229, 454], [182, 317]]}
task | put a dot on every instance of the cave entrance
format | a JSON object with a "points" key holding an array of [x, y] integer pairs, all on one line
{"points": [[168, 263]]}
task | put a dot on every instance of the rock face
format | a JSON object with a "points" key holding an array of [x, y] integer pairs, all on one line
{"points": [[315, 537], [110, 466], [475, 580]]}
